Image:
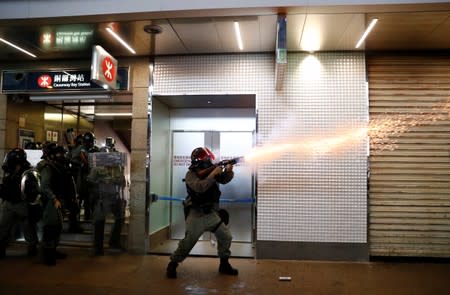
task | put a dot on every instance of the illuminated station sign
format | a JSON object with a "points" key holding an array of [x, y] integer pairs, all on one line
{"points": [[103, 68], [57, 81], [66, 37]]}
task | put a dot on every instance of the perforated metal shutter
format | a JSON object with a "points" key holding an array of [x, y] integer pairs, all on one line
{"points": [[409, 191]]}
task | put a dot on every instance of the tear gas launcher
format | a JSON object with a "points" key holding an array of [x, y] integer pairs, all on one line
{"points": [[233, 161], [205, 172]]}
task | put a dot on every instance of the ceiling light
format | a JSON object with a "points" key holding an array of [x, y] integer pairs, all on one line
{"points": [[17, 47], [238, 35], [57, 116], [120, 40], [369, 28], [310, 41]]}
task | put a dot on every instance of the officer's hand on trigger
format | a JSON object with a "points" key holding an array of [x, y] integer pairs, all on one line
{"points": [[229, 168], [215, 172]]}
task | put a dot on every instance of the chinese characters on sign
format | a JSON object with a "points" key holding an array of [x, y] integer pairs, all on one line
{"points": [[64, 80], [64, 39], [75, 80]]}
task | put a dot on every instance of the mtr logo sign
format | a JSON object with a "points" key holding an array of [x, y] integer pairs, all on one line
{"points": [[109, 69], [45, 81], [103, 68]]}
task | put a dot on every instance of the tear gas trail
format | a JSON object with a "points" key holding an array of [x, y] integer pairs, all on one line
{"points": [[382, 130], [306, 147]]}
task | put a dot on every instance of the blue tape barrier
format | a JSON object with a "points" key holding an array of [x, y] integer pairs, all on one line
{"points": [[222, 200]]}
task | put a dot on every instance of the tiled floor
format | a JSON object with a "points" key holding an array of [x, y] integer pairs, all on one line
{"points": [[145, 274]]}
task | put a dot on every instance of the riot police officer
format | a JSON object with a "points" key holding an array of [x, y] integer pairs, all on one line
{"points": [[202, 181], [79, 167], [107, 181], [70, 202], [55, 187], [88, 146], [14, 209], [89, 142], [109, 145]]}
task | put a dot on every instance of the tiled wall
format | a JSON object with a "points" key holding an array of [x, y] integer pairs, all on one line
{"points": [[306, 194]]}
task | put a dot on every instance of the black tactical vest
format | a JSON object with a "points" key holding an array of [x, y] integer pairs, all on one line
{"points": [[10, 187], [205, 200]]}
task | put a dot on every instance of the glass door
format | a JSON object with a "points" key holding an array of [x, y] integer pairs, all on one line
{"points": [[237, 196]]}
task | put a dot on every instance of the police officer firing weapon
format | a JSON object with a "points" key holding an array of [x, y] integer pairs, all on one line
{"points": [[202, 210]]}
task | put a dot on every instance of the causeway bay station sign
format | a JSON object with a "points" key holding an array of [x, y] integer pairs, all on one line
{"points": [[56, 81], [104, 75]]}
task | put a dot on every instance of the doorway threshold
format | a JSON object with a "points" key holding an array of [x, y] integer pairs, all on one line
{"points": [[205, 248]]}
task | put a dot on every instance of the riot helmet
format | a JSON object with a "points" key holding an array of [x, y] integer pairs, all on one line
{"points": [[79, 139], [56, 153], [14, 157], [109, 145], [110, 142], [46, 147], [89, 139], [201, 157], [32, 146]]}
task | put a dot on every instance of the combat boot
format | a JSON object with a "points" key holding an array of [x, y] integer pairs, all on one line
{"points": [[172, 270], [3, 245], [226, 268], [49, 256], [32, 250], [75, 228], [114, 240], [2, 252], [60, 255], [99, 231]]}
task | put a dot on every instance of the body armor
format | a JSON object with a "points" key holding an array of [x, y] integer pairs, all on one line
{"points": [[30, 186]]}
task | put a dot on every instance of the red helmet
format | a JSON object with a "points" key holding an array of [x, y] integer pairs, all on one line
{"points": [[202, 154]]}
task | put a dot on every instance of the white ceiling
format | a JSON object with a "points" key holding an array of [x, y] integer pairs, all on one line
{"points": [[400, 27]]}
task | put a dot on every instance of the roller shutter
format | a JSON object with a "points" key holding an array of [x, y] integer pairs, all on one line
{"points": [[409, 191]]}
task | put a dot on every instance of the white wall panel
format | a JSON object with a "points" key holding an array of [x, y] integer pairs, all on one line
{"points": [[309, 197]]}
